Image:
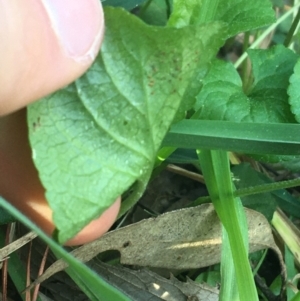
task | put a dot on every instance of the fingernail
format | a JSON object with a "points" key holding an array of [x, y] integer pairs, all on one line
{"points": [[79, 26]]}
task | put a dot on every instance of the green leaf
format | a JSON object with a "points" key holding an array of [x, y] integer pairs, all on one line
{"points": [[185, 12], [278, 3], [156, 13], [128, 4], [292, 164], [294, 91], [222, 96], [239, 15], [265, 203], [245, 176], [245, 15], [99, 136]]}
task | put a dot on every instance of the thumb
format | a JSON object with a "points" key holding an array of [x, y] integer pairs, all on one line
{"points": [[45, 45]]}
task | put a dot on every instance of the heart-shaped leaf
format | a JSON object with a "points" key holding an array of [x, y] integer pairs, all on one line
{"points": [[222, 96], [99, 136]]}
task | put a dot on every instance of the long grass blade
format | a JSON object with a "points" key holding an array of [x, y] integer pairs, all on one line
{"points": [[250, 138], [216, 171]]}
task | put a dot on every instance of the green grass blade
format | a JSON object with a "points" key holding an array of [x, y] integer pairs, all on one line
{"points": [[216, 171], [229, 289], [290, 268], [250, 138], [97, 286]]}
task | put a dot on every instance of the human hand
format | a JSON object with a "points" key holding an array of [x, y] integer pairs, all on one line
{"points": [[45, 45]]}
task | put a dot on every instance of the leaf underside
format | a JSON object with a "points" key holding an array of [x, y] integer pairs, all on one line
{"points": [[92, 140]]}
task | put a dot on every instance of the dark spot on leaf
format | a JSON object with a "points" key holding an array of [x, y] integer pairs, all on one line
{"points": [[125, 122], [151, 83], [36, 124], [126, 244], [154, 69]]}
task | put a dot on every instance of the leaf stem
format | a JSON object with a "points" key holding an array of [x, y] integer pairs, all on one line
{"points": [[264, 188], [267, 187], [246, 74], [292, 30], [163, 154]]}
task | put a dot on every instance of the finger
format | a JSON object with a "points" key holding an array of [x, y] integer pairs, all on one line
{"points": [[45, 45], [20, 184]]}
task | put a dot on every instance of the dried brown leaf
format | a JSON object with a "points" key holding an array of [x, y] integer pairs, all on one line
{"points": [[183, 239], [17, 244]]}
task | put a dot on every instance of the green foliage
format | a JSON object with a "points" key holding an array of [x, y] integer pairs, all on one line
{"points": [[241, 137], [239, 15], [294, 92], [266, 99], [237, 277], [128, 4], [278, 3], [266, 203], [156, 13], [222, 96], [99, 137], [244, 15], [185, 13], [104, 130]]}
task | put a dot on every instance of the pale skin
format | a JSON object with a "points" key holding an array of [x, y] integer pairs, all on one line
{"points": [[45, 45]]}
